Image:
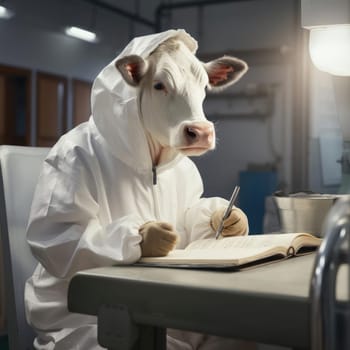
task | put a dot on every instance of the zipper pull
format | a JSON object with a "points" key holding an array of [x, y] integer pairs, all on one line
{"points": [[154, 172]]}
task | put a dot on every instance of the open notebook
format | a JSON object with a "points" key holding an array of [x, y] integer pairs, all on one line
{"points": [[237, 252]]}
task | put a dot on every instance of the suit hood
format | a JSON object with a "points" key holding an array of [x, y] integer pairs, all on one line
{"points": [[114, 103]]}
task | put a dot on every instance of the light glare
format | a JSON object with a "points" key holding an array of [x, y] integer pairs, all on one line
{"points": [[82, 34], [330, 49], [5, 13]]}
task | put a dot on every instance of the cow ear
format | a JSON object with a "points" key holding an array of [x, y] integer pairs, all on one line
{"points": [[133, 68], [225, 71]]}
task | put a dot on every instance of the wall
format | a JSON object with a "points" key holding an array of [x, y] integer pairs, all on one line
{"points": [[248, 140], [2, 108], [252, 141], [243, 27], [240, 25], [35, 37], [325, 143], [51, 52]]}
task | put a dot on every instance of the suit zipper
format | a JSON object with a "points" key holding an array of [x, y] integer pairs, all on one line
{"points": [[154, 175], [155, 193]]}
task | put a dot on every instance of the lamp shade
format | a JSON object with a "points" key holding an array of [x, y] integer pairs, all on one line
{"points": [[329, 48]]}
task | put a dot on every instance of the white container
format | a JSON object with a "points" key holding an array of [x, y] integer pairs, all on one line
{"points": [[303, 212]]}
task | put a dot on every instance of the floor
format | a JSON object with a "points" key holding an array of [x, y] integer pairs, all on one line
{"points": [[4, 345]]}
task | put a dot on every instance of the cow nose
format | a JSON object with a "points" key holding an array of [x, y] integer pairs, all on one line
{"points": [[200, 135]]}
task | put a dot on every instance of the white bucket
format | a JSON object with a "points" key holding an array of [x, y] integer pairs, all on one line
{"points": [[303, 212]]}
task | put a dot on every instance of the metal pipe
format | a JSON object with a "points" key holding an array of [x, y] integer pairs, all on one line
{"points": [[199, 3], [325, 311], [122, 12], [185, 4], [300, 105]]}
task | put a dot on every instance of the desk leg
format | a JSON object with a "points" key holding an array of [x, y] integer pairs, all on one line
{"points": [[150, 338], [117, 330]]}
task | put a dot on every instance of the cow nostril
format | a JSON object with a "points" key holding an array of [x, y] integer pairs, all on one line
{"points": [[191, 133]]}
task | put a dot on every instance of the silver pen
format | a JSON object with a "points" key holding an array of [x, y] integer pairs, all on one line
{"points": [[228, 211]]}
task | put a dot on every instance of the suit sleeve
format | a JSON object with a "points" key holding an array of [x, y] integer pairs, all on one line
{"points": [[65, 232], [199, 209]]}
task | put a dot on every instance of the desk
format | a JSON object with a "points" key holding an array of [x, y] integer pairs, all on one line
{"points": [[267, 304]]}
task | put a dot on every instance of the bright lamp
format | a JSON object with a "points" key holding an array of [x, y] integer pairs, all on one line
{"points": [[5, 12], [329, 48], [81, 34]]}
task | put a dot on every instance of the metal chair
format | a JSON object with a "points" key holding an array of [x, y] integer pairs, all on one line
{"points": [[19, 171], [330, 315]]}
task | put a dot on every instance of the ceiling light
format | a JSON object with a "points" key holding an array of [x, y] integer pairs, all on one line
{"points": [[82, 34], [5, 12]]}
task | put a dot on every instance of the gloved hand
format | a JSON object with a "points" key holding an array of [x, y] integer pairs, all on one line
{"points": [[158, 238], [235, 225]]}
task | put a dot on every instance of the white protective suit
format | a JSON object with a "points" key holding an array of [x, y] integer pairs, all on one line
{"points": [[95, 190]]}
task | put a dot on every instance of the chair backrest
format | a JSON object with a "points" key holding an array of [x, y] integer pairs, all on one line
{"points": [[20, 167]]}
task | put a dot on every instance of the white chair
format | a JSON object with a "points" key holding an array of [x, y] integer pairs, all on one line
{"points": [[20, 167]]}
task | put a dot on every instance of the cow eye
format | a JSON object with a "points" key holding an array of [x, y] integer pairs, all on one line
{"points": [[159, 86]]}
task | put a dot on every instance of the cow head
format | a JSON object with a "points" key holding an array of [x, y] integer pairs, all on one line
{"points": [[172, 85]]}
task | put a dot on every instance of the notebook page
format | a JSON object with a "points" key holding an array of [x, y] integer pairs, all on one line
{"points": [[252, 241]]}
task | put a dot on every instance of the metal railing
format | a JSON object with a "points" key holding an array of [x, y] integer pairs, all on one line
{"points": [[330, 314]]}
